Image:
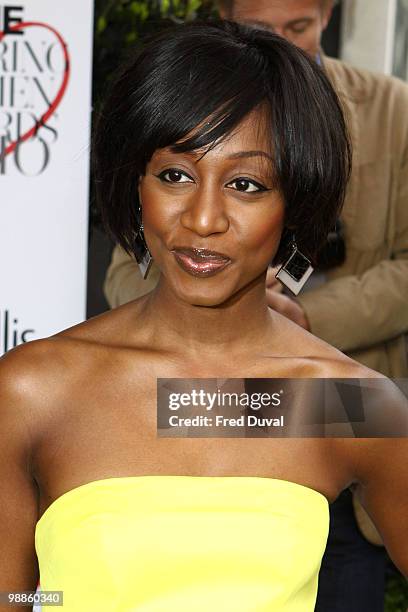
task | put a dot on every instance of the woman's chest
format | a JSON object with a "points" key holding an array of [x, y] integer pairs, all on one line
{"points": [[113, 432]]}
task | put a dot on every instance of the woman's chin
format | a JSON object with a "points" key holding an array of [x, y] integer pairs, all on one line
{"points": [[216, 291], [200, 296], [208, 301]]}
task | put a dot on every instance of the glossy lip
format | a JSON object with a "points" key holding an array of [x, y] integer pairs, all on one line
{"points": [[196, 253], [200, 262]]}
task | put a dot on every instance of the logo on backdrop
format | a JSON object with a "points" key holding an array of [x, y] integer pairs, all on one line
{"points": [[34, 75], [12, 333]]}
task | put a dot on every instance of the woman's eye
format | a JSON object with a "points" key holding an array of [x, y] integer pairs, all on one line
{"points": [[175, 176], [246, 186]]}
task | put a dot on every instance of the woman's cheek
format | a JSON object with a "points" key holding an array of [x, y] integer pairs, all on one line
{"points": [[267, 233], [156, 209]]}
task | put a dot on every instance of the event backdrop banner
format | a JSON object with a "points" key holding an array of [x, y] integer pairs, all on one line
{"points": [[45, 112]]}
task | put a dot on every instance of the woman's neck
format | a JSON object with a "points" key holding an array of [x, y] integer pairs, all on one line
{"points": [[240, 325]]}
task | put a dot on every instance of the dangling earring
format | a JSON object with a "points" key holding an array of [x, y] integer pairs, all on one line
{"points": [[145, 259], [296, 270]]}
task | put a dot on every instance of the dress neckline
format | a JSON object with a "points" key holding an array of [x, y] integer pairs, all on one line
{"points": [[120, 480]]}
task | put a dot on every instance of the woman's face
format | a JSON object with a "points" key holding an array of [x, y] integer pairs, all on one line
{"points": [[213, 222]]}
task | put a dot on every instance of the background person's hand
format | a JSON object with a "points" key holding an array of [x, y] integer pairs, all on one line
{"points": [[287, 307]]}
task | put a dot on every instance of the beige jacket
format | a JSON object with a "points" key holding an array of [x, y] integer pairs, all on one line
{"points": [[362, 309]]}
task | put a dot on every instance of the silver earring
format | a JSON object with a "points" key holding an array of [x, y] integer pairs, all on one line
{"points": [[145, 260], [295, 271]]}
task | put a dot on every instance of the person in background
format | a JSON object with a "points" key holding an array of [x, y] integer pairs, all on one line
{"points": [[361, 305]]}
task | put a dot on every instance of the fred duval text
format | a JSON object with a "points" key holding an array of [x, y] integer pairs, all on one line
{"points": [[221, 421]]}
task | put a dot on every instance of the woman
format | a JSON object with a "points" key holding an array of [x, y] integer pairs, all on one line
{"points": [[228, 144]]}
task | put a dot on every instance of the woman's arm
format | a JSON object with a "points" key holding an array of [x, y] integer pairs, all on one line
{"points": [[18, 499], [382, 470]]}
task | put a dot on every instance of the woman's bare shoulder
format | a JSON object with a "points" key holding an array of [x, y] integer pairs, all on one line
{"points": [[33, 378], [28, 375], [46, 368], [40, 367], [20, 367], [40, 381], [325, 360]]}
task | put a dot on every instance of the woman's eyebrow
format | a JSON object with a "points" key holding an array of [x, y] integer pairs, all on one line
{"points": [[238, 155], [243, 154]]}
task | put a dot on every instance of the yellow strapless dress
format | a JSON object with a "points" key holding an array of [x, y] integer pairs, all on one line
{"points": [[184, 544]]}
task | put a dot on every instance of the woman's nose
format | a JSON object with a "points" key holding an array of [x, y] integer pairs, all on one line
{"points": [[205, 213]]}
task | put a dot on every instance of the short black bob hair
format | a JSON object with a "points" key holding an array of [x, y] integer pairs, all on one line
{"points": [[204, 79]]}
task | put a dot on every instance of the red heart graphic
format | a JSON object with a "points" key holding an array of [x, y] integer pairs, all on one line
{"points": [[57, 100]]}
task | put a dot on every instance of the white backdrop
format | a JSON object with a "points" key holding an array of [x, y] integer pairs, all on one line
{"points": [[45, 112]]}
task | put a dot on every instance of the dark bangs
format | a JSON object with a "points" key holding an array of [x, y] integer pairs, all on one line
{"points": [[192, 86]]}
